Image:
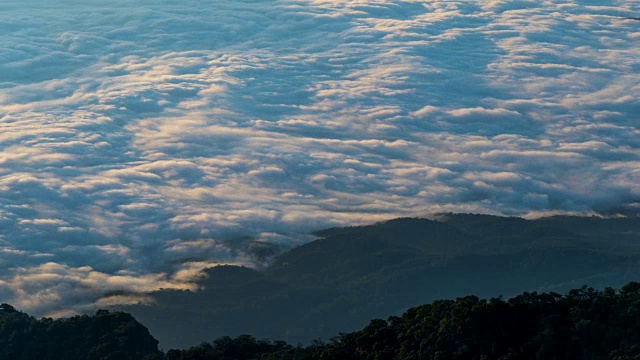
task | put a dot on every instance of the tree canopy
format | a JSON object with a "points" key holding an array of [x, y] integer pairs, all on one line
{"points": [[583, 324], [103, 336]]}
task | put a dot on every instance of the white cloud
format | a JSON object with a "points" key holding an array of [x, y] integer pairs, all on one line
{"points": [[136, 137]]}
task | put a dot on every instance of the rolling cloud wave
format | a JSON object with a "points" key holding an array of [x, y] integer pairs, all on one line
{"points": [[137, 136]]}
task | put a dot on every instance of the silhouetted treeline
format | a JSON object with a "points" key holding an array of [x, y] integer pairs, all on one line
{"points": [[584, 324], [104, 336]]}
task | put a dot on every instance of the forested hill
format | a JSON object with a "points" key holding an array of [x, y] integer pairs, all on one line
{"points": [[351, 275], [103, 336], [583, 324]]}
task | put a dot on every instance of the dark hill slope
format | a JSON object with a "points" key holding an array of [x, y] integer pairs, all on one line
{"points": [[104, 336], [583, 324], [354, 274]]}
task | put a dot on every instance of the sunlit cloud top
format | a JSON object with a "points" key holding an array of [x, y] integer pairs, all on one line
{"points": [[136, 136]]}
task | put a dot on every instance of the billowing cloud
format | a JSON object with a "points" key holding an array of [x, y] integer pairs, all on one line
{"points": [[143, 141]]}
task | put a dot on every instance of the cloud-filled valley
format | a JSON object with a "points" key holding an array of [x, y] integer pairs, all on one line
{"points": [[138, 137]]}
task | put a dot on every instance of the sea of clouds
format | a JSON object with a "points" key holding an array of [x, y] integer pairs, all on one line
{"points": [[138, 136]]}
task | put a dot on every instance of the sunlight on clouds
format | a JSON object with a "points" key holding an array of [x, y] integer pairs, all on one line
{"points": [[138, 138]]}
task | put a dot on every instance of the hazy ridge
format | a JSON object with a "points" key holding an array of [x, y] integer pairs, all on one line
{"points": [[354, 274]]}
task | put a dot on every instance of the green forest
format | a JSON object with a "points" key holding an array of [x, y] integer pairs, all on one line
{"points": [[582, 324], [103, 336]]}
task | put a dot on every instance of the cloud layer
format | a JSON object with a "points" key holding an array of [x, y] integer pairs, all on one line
{"points": [[136, 137]]}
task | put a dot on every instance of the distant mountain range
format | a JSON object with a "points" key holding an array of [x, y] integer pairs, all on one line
{"points": [[351, 275]]}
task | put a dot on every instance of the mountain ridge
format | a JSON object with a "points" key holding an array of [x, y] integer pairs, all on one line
{"points": [[351, 275]]}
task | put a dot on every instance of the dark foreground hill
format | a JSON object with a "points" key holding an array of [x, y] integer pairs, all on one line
{"points": [[584, 324], [351, 275], [104, 336]]}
